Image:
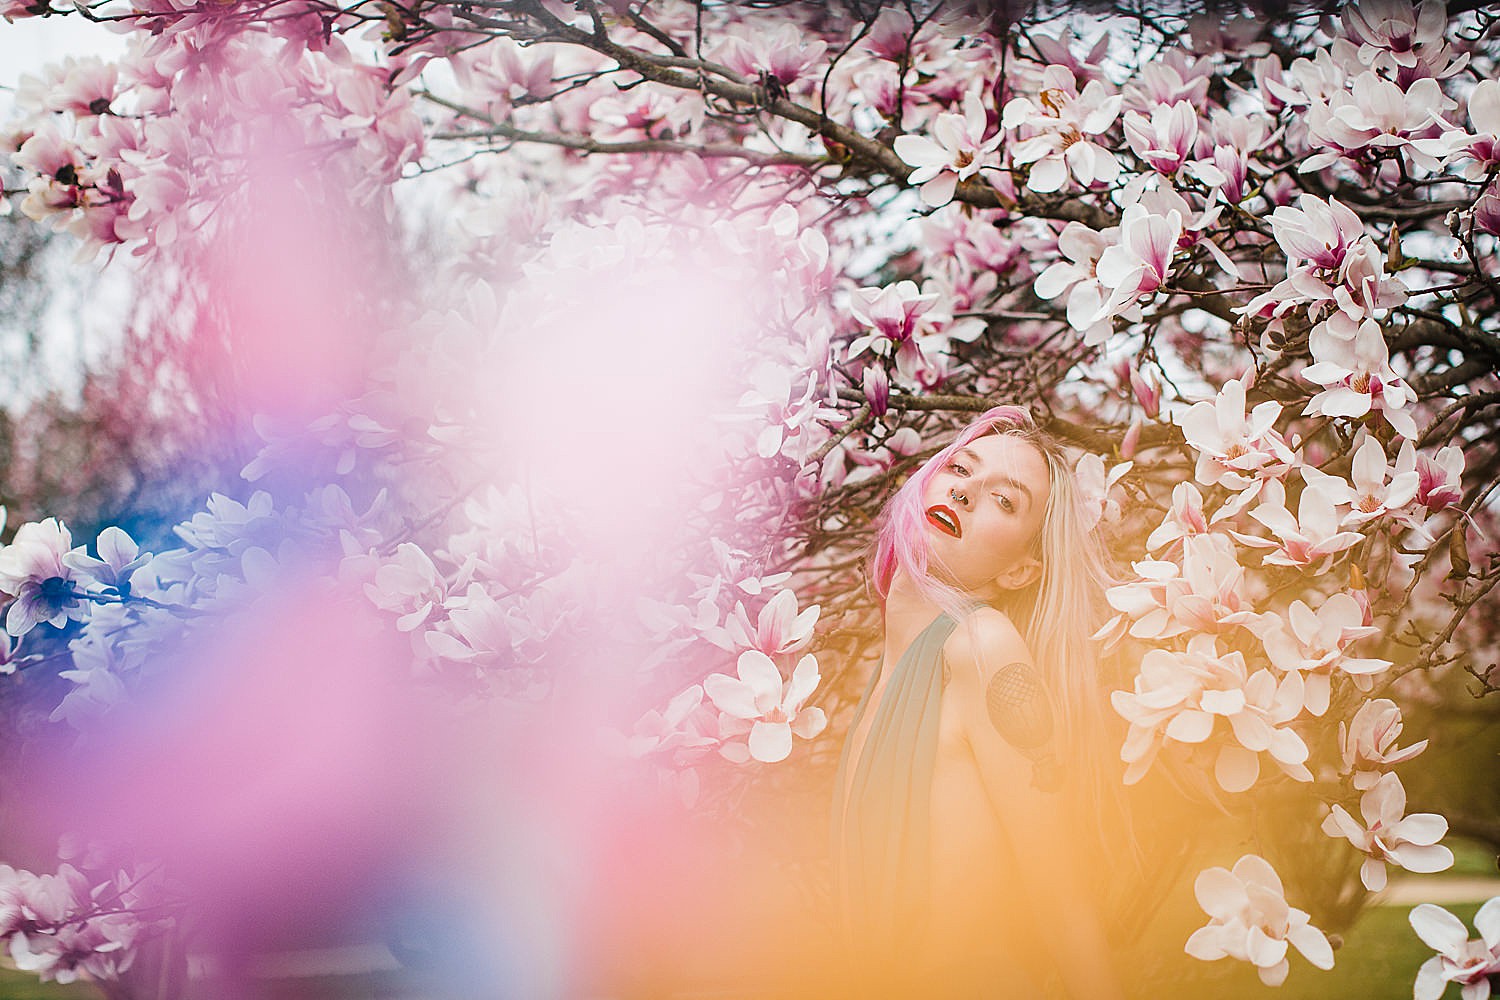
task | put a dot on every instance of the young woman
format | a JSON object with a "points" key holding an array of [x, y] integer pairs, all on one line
{"points": [[959, 851]]}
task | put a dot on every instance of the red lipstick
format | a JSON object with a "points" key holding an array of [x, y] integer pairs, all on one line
{"points": [[945, 519]]}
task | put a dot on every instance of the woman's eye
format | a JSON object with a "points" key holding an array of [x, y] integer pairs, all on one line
{"points": [[1005, 503], [958, 469]]}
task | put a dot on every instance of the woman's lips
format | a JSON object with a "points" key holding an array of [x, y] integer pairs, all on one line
{"points": [[945, 519]]}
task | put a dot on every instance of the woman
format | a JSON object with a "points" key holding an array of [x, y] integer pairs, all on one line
{"points": [[958, 856]]}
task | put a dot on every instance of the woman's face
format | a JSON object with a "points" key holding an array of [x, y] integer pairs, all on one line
{"points": [[984, 509]]}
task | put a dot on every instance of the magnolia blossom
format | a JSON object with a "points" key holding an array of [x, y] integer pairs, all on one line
{"points": [[1062, 122], [1077, 276], [956, 152], [1388, 835], [119, 558], [1483, 147], [1470, 962], [1095, 485], [1353, 365], [1180, 696], [1165, 140], [1440, 478], [1305, 540], [760, 704], [677, 727], [1138, 264], [779, 629], [1315, 643], [1331, 261], [1375, 115], [408, 586], [1403, 37], [34, 571], [1249, 919], [901, 320], [1367, 742], [1205, 593], [1184, 519], [1236, 450], [1375, 490]]}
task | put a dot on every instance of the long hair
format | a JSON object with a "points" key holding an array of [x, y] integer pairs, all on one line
{"points": [[1057, 615]]}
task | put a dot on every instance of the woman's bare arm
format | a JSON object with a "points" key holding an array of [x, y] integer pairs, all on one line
{"points": [[1048, 847]]}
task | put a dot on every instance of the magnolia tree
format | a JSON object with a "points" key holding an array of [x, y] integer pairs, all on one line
{"points": [[585, 339]]}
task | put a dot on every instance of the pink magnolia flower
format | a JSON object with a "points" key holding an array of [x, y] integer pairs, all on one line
{"points": [[1095, 485], [1388, 835], [1166, 140], [677, 727], [1483, 147], [1487, 211], [1138, 264], [1174, 75], [1470, 962], [1315, 643], [408, 586], [784, 52], [1377, 115], [33, 570], [1059, 52], [1166, 600], [956, 151], [1183, 520], [1249, 919], [1353, 365], [759, 704], [1305, 540], [779, 629], [1064, 124], [1318, 233], [119, 558], [1404, 39], [1367, 743], [1440, 478]]}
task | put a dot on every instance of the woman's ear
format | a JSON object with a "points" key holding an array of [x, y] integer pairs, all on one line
{"points": [[1022, 573]]}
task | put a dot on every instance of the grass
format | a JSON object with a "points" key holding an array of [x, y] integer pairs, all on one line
{"points": [[1378, 961]]}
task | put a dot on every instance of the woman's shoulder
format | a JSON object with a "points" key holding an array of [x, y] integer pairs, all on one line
{"points": [[986, 638]]}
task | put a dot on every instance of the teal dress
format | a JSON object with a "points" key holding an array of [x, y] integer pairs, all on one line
{"points": [[881, 836]]}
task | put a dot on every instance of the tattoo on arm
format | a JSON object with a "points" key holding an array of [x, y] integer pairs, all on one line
{"points": [[1021, 713]]}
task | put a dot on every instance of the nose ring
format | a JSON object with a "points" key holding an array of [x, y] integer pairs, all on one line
{"points": [[956, 496]]}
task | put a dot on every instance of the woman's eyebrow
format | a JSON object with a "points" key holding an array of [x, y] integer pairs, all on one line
{"points": [[1001, 479]]}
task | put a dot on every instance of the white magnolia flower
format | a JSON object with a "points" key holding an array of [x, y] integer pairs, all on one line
{"points": [[1304, 540], [1236, 450], [1368, 743], [1250, 919], [1314, 643], [1064, 124], [1390, 836], [760, 704], [1180, 696], [1375, 490], [1470, 962], [956, 151]]}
